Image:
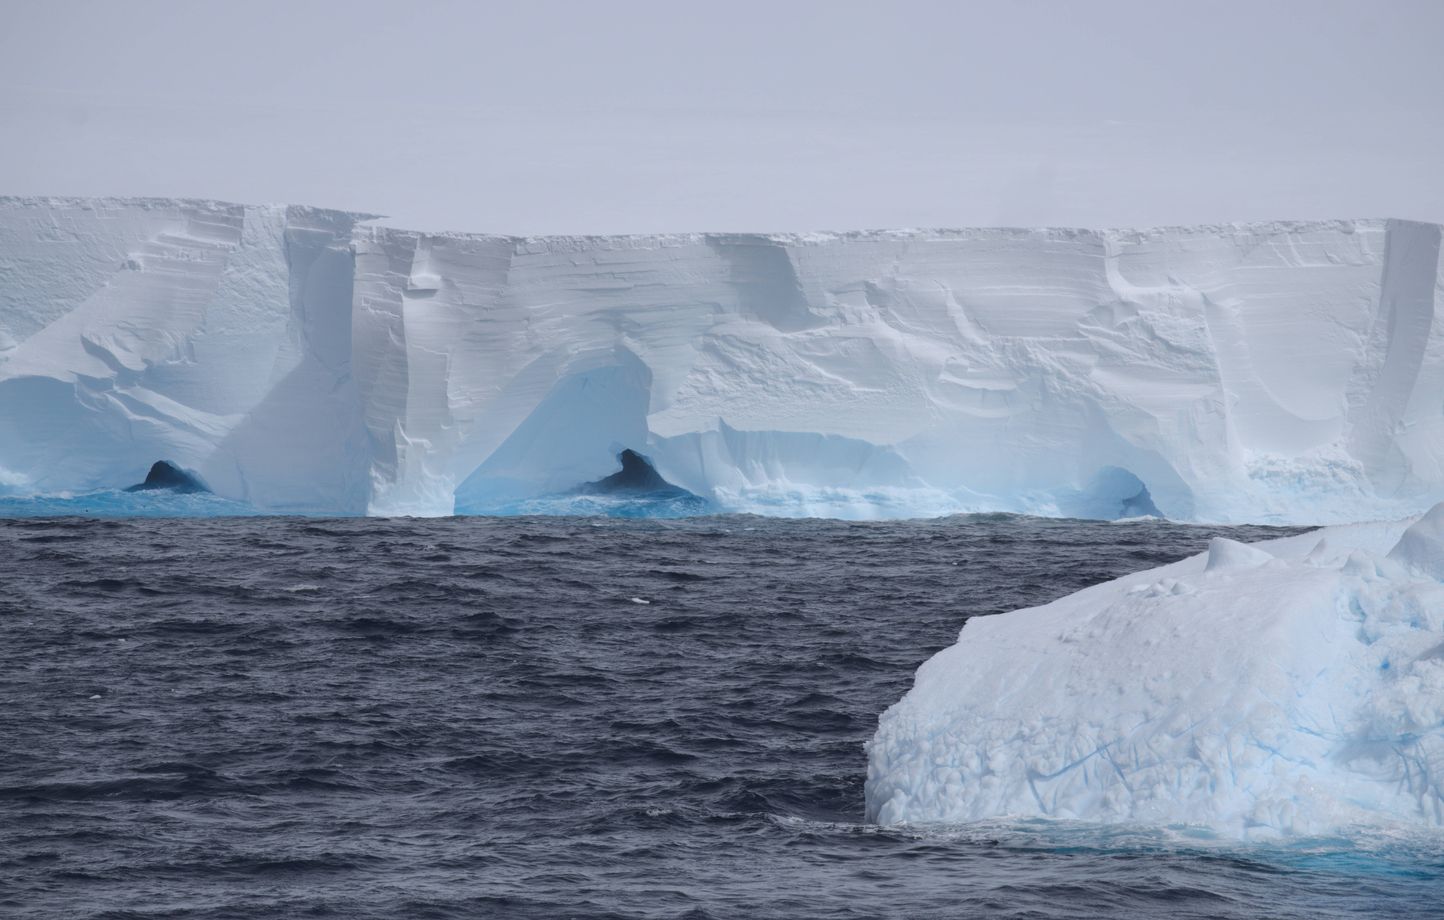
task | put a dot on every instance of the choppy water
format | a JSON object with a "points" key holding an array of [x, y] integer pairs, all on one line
{"points": [[554, 718]]}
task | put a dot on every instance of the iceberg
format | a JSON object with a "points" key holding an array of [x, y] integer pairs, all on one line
{"points": [[1293, 687], [303, 359]]}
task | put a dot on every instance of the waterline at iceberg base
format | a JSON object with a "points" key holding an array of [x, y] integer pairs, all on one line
{"points": [[300, 359], [1292, 687]]}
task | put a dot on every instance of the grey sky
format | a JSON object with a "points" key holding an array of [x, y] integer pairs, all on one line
{"points": [[550, 117]]}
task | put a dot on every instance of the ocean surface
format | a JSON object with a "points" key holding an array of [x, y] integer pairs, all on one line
{"points": [[556, 717]]}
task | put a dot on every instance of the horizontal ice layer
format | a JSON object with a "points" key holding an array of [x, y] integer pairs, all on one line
{"points": [[1295, 686], [299, 359]]}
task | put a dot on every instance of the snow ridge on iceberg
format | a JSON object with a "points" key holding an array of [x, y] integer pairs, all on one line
{"points": [[304, 359], [1291, 687]]}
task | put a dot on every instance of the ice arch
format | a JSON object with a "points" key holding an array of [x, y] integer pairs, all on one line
{"points": [[1113, 493], [573, 436]]}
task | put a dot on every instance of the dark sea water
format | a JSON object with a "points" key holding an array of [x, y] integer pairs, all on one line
{"points": [[271, 717]]}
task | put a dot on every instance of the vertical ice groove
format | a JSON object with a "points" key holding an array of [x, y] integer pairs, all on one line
{"points": [[1402, 331], [379, 352], [301, 445], [435, 410]]}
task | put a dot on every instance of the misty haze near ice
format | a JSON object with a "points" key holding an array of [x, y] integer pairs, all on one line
{"points": [[646, 117]]}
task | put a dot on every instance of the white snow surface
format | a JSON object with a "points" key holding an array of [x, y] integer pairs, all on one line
{"points": [[1289, 687], [299, 358]]}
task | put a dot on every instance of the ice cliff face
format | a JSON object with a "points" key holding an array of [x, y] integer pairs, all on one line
{"points": [[300, 358]]}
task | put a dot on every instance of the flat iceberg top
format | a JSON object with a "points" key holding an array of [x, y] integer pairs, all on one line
{"points": [[62, 203], [795, 237], [307, 359], [1294, 686]]}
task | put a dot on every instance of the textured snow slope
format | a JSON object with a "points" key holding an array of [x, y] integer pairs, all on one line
{"points": [[1295, 686], [296, 358]]}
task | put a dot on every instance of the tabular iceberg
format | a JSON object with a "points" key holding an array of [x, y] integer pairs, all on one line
{"points": [[306, 359], [1294, 686]]}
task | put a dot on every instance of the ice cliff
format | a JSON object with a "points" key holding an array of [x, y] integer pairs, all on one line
{"points": [[306, 359], [1290, 687]]}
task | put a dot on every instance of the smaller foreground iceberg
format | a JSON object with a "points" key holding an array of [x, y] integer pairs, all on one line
{"points": [[1289, 687]]}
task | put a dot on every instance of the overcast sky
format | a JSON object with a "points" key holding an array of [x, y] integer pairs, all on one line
{"points": [[618, 116]]}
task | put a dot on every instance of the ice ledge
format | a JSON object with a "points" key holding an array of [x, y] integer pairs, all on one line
{"points": [[563, 242], [150, 203]]}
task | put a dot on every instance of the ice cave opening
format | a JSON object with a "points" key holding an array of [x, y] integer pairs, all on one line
{"points": [[1113, 493]]}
